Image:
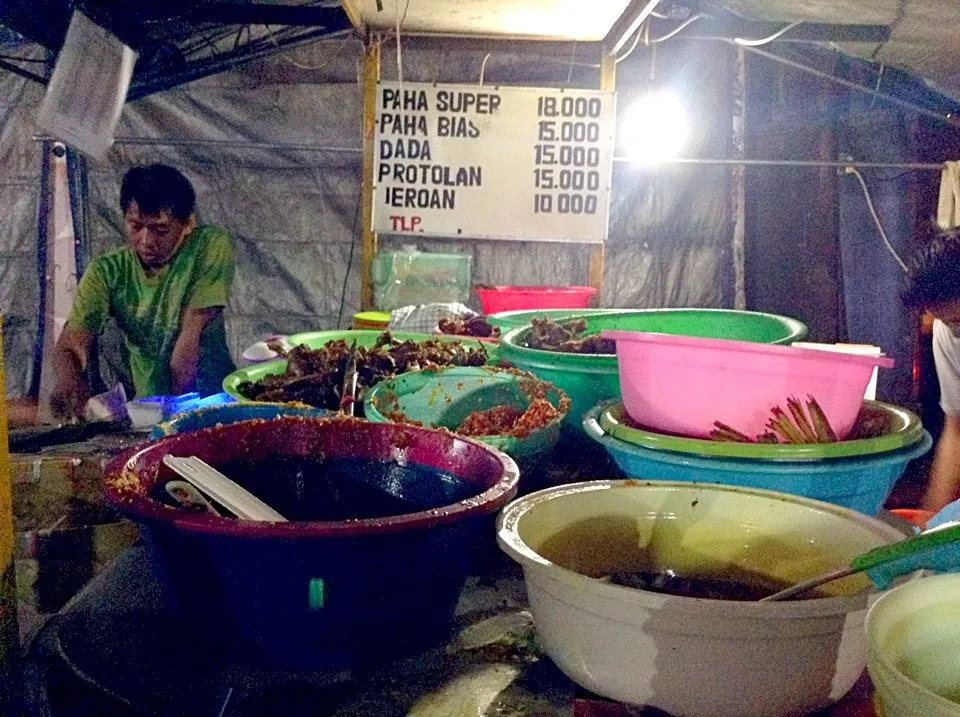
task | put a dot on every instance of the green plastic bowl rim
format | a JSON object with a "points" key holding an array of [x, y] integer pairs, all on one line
{"points": [[510, 340], [610, 420]]}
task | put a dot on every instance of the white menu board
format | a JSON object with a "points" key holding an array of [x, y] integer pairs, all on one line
{"points": [[492, 162]]}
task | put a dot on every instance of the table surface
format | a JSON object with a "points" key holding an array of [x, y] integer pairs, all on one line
{"points": [[492, 666]]}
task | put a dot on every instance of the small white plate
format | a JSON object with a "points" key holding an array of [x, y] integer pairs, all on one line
{"points": [[259, 352]]}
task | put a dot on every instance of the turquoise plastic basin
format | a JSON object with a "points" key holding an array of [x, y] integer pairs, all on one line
{"points": [[861, 484]]}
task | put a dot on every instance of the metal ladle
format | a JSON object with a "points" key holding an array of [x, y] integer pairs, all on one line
{"points": [[924, 551]]}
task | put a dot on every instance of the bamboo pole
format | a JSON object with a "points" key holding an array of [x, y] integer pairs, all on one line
{"points": [[9, 633], [368, 238], [608, 77]]}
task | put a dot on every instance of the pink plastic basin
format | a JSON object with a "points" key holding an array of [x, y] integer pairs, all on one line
{"points": [[514, 298], [682, 384]]}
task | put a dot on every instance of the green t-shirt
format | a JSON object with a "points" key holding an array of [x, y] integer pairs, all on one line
{"points": [[148, 308]]}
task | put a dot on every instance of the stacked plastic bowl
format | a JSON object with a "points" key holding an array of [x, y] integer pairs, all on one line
{"points": [[590, 378], [674, 388]]}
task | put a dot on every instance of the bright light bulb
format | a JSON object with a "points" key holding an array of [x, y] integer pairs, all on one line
{"points": [[655, 128]]}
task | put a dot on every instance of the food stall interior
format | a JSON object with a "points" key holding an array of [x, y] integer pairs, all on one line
{"points": [[768, 156]]}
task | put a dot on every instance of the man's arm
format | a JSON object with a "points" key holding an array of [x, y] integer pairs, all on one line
{"points": [[70, 358], [185, 359], [945, 474], [210, 293]]}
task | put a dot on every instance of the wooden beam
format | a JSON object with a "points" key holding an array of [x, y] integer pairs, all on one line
{"points": [[608, 80], [368, 238], [356, 19], [586, 51], [627, 24]]}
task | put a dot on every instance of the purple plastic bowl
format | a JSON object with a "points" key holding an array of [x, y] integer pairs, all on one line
{"points": [[328, 594]]}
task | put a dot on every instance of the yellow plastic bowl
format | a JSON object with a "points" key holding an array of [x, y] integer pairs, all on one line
{"points": [[913, 648]]}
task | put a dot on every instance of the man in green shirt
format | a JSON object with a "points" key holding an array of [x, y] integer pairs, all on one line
{"points": [[166, 289]]}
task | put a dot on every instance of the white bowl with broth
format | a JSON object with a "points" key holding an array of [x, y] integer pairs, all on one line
{"points": [[913, 648], [694, 656]]}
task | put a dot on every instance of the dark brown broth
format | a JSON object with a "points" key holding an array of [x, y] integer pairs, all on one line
{"points": [[732, 584], [310, 489], [608, 548]]}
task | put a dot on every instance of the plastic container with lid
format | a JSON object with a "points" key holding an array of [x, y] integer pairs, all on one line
{"points": [[411, 277]]}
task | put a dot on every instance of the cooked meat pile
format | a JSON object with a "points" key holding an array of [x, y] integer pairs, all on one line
{"points": [[547, 335], [474, 326], [315, 376]]}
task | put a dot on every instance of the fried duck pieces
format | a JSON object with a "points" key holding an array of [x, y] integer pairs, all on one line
{"points": [[547, 335], [315, 376], [474, 326]]}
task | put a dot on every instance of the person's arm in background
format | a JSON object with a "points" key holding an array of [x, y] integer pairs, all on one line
{"points": [[88, 316], [208, 298], [944, 485], [945, 475]]}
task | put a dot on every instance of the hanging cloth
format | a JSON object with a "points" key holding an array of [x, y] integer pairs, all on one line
{"points": [[948, 208]]}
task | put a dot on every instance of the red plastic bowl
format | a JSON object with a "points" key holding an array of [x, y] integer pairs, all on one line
{"points": [[324, 594], [918, 517], [512, 298]]}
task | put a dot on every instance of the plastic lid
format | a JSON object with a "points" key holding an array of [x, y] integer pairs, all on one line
{"points": [[374, 317]]}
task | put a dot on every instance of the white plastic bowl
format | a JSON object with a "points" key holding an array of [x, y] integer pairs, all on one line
{"points": [[694, 657], [913, 639]]}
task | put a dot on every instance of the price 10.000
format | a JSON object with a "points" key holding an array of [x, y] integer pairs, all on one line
{"points": [[565, 204]]}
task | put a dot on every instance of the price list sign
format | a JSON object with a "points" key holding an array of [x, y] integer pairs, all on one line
{"points": [[520, 163]]}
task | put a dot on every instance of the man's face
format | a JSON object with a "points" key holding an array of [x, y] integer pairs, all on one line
{"points": [[949, 313], [155, 237]]}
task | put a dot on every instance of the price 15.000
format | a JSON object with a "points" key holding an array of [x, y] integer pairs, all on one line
{"points": [[567, 155], [575, 179]]}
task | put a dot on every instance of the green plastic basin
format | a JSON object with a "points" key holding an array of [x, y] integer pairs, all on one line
{"points": [[590, 379], [507, 320], [901, 428], [318, 339], [442, 399]]}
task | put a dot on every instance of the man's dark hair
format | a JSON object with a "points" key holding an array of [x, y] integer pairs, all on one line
{"points": [[933, 276], [158, 187]]}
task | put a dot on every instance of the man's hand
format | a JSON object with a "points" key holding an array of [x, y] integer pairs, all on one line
{"points": [[185, 360], [69, 398], [71, 391]]}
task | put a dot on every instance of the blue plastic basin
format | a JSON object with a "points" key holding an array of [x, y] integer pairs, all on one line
{"points": [[862, 484], [224, 415]]}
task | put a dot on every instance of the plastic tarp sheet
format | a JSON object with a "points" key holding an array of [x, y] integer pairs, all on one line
{"points": [[20, 169]]}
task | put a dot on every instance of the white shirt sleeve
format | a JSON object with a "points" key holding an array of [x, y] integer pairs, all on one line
{"points": [[946, 356]]}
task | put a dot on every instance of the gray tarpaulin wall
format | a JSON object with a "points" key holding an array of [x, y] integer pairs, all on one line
{"points": [[20, 170], [294, 213]]}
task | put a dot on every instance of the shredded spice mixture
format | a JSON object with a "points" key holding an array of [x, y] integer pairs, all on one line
{"points": [[510, 421], [567, 337], [315, 376], [475, 326], [503, 420]]}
